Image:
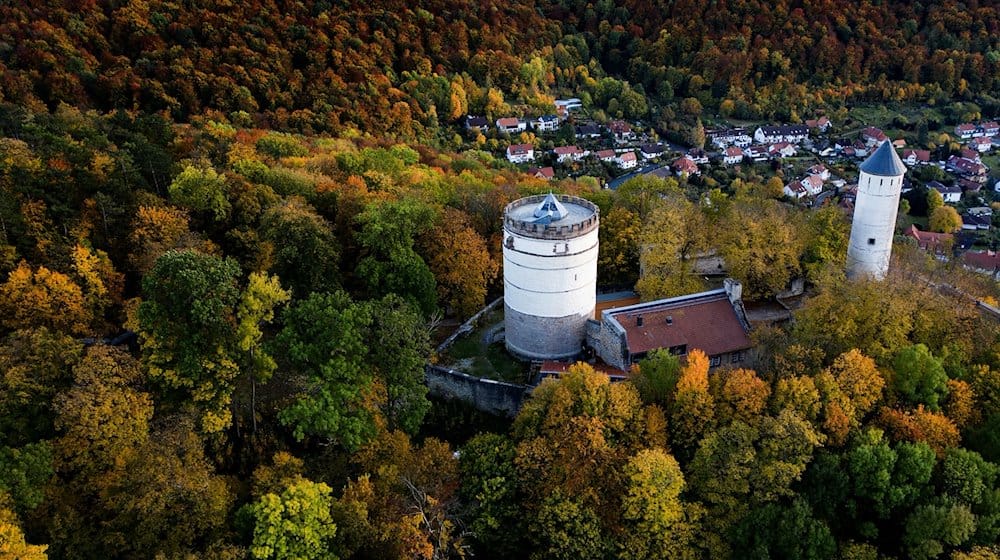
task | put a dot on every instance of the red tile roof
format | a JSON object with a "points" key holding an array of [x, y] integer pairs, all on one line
{"points": [[508, 122], [733, 151], [601, 154], [986, 260], [928, 239], [707, 322]]}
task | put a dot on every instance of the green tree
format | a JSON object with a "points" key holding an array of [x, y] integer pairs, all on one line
{"points": [[490, 486], [919, 376], [23, 474], [306, 252], [828, 234], [186, 324], [931, 527], [399, 347], [294, 525], [566, 529], [323, 342], [201, 189], [780, 531], [657, 378]]}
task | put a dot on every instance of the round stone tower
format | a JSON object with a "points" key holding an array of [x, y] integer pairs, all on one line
{"points": [[549, 275], [879, 185]]}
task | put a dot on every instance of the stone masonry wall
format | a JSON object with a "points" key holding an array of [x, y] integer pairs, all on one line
{"points": [[486, 395]]}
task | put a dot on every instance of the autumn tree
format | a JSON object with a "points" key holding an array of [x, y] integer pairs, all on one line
{"points": [[694, 408], [658, 523], [670, 241], [39, 297], [12, 539], [944, 219], [34, 366], [762, 247], [460, 261], [618, 257], [186, 322], [295, 524], [158, 229], [738, 395]]}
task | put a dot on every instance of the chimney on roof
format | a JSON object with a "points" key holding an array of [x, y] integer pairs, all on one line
{"points": [[638, 321], [670, 320], [733, 289]]}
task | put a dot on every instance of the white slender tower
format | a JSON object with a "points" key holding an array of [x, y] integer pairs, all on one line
{"points": [[879, 185], [549, 275]]}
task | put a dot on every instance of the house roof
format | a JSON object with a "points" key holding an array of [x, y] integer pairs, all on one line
{"points": [[919, 155], [733, 151], [943, 189], [884, 162], [925, 238], [542, 172], [627, 156], [707, 321], [619, 127], [873, 132], [817, 169], [508, 121], [601, 154], [814, 181], [966, 127], [652, 148], [785, 130], [519, 149], [685, 164], [473, 120], [985, 260], [565, 150]]}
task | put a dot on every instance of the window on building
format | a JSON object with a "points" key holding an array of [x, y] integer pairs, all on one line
{"points": [[736, 357], [679, 350], [715, 361], [871, 240]]}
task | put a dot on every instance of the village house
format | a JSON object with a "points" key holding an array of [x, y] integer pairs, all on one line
{"points": [[546, 123], [821, 124], [781, 150], [732, 155], [756, 152], [982, 144], [976, 222], [795, 190], [983, 262], [605, 155], [965, 131], [546, 173], [698, 156], [588, 131], [969, 153], [474, 123], [990, 128], [628, 160], [621, 131], [813, 184], [873, 136], [684, 165], [569, 153], [968, 168], [793, 133], [916, 157], [571, 104], [511, 125], [820, 171], [729, 136], [520, 153], [969, 186], [651, 151], [948, 193], [934, 243], [714, 322]]}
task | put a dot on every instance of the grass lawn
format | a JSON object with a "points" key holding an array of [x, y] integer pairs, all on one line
{"points": [[492, 361]]}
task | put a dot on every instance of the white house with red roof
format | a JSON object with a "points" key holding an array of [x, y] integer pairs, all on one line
{"points": [[781, 150], [873, 136], [796, 190], [511, 125], [546, 173], [520, 153], [982, 144], [608, 156], [732, 155], [684, 165], [965, 131], [821, 124], [820, 171], [622, 131], [990, 128], [569, 153], [914, 157], [813, 184], [628, 160]]}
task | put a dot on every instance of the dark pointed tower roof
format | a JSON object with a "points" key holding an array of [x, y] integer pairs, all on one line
{"points": [[884, 162]]}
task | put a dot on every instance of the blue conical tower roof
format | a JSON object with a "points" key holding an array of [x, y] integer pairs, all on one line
{"points": [[550, 210], [884, 162]]}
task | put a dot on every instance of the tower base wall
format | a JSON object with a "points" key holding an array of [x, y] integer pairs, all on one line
{"points": [[544, 338]]}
